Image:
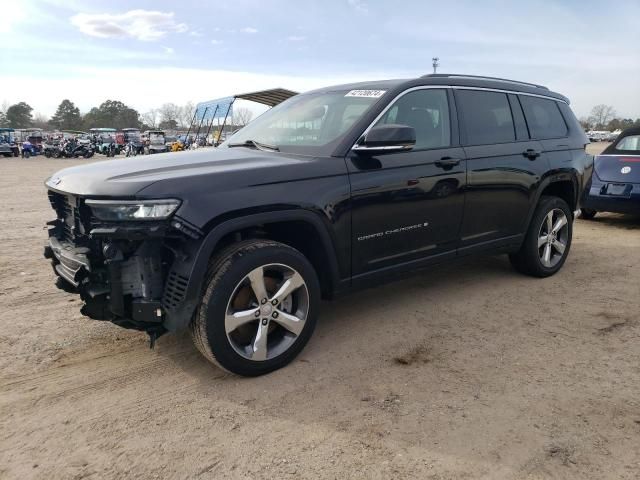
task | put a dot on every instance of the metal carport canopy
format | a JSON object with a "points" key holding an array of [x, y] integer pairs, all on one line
{"points": [[268, 97]]}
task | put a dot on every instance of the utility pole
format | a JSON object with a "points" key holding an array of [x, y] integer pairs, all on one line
{"points": [[435, 64]]}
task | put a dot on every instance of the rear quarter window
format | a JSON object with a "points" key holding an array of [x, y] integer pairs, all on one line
{"points": [[543, 117]]}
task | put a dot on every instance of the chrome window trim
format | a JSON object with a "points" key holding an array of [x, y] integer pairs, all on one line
{"points": [[361, 148], [514, 92], [617, 154], [356, 147]]}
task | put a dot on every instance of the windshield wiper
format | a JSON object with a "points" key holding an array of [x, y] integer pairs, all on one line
{"points": [[253, 144]]}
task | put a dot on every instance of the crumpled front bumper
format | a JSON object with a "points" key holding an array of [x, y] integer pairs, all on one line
{"points": [[102, 289], [69, 262]]}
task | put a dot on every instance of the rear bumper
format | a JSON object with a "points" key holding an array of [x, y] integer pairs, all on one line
{"points": [[596, 198]]}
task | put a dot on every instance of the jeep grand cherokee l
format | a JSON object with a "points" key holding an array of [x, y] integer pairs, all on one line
{"points": [[330, 191]]}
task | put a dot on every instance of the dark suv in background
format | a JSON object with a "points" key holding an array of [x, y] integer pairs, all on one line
{"points": [[330, 191]]}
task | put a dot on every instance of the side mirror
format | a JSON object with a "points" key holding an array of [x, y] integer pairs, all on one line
{"points": [[385, 138]]}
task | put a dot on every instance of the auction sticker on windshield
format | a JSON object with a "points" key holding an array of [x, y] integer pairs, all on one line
{"points": [[366, 93]]}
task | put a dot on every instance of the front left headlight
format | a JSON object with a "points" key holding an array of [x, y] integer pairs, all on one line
{"points": [[119, 210]]}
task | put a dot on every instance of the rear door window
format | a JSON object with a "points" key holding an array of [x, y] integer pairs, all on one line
{"points": [[486, 117], [543, 117]]}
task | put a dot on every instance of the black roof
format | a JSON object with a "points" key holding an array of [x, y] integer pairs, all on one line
{"points": [[451, 79]]}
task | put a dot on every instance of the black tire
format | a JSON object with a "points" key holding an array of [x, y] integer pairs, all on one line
{"points": [[26, 154], [527, 260], [587, 214], [226, 271]]}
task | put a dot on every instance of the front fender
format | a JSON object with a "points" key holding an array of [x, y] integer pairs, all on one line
{"points": [[184, 283]]}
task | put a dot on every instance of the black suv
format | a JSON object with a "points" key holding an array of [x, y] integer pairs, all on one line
{"points": [[330, 191]]}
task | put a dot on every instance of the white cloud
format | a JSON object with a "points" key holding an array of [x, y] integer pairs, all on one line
{"points": [[12, 14], [147, 88], [216, 42], [249, 30], [146, 25], [359, 6], [169, 50], [296, 38]]}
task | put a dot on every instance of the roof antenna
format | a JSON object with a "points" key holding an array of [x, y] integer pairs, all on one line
{"points": [[435, 64]]}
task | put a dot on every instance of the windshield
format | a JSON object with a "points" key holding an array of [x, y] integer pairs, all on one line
{"points": [[6, 137], [310, 124], [132, 136]]}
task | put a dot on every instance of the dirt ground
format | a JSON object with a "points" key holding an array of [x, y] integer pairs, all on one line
{"points": [[467, 371]]}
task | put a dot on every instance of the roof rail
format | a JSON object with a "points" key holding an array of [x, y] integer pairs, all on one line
{"points": [[481, 77]]}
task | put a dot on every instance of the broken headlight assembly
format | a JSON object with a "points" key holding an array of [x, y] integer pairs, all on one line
{"points": [[133, 210]]}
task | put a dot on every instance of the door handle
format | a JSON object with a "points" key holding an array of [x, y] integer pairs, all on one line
{"points": [[531, 154], [447, 162]]}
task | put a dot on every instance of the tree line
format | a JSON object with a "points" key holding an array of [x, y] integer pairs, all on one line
{"points": [[604, 117], [111, 113]]}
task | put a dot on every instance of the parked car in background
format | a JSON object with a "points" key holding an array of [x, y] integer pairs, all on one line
{"points": [[598, 135], [612, 136], [615, 183], [330, 191], [8, 145]]}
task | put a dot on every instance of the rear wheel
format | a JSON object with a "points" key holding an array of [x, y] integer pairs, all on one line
{"points": [[258, 309], [548, 240], [587, 214]]}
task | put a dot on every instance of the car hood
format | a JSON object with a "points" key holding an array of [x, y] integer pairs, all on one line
{"points": [[170, 174]]}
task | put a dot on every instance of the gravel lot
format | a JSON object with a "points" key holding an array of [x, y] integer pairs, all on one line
{"points": [[468, 371]]}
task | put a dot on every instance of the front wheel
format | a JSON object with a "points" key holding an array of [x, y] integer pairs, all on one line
{"points": [[548, 240], [258, 309]]}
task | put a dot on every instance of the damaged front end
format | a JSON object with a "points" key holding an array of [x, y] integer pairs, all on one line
{"points": [[118, 255]]}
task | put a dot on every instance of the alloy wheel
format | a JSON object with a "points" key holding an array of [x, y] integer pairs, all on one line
{"points": [[267, 312], [552, 237]]}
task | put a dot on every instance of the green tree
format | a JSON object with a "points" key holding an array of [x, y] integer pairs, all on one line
{"points": [[67, 116], [3, 120], [112, 114], [19, 115]]}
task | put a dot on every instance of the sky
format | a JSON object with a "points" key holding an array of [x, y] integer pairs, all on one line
{"points": [[146, 53]]}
